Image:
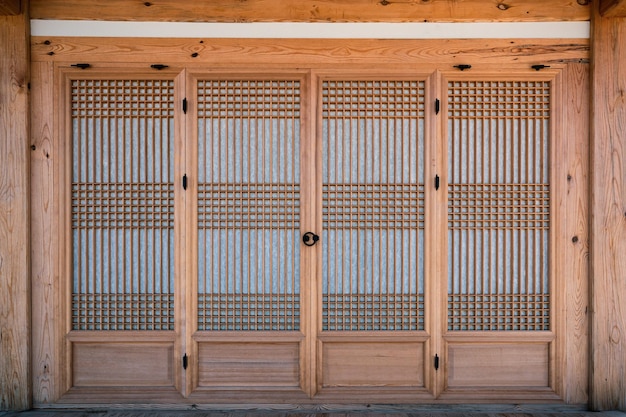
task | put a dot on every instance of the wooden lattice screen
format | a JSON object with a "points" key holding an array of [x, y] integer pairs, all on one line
{"points": [[498, 205], [122, 204], [249, 204], [373, 204]]}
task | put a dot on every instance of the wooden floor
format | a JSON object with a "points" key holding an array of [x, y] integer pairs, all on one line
{"points": [[457, 411]]}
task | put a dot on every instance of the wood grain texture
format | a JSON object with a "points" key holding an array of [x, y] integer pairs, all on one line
{"points": [[248, 365], [572, 180], [15, 390], [608, 214], [135, 364], [369, 410], [46, 342], [470, 362], [311, 10], [297, 52], [372, 364], [10, 7], [613, 8]]}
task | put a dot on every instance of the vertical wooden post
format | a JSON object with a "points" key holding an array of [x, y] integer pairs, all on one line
{"points": [[608, 213], [15, 381]]}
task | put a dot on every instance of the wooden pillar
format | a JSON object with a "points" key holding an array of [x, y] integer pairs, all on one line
{"points": [[15, 381], [608, 213]]}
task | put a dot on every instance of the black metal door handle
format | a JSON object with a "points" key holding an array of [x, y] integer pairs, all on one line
{"points": [[310, 238]]}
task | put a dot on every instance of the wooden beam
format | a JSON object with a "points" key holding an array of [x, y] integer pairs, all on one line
{"points": [[312, 10], [309, 52], [608, 214], [10, 7], [613, 8], [15, 381]]}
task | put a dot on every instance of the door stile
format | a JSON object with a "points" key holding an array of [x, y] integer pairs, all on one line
{"points": [[64, 176], [310, 259], [555, 268], [186, 239], [436, 235]]}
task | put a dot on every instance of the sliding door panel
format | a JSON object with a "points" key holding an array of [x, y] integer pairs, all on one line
{"points": [[373, 231], [248, 231], [122, 216], [499, 195]]}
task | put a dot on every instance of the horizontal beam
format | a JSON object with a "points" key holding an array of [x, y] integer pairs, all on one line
{"points": [[312, 10], [310, 52], [613, 8], [10, 7]]}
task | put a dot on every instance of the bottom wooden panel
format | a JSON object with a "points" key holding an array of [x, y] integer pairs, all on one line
{"points": [[359, 364], [105, 364], [498, 365], [249, 364]]}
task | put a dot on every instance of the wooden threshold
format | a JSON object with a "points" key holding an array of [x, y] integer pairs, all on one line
{"points": [[120, 395]]}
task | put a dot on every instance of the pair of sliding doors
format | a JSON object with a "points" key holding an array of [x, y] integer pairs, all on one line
{"points": [[296, 236]]}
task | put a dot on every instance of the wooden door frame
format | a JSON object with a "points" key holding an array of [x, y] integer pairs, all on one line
{"points": [[315, 54]]}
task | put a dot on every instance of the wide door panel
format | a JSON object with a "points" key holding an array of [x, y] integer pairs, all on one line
{"points": [[499, 321], [373, 141]]}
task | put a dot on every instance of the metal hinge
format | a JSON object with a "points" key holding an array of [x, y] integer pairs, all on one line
{"points": [[463, 67], [437, 106], [185, 105], [184, 181], [539, 67], [436, 362], [158, 66], [437, 182], [185, 361], [81, 66]]}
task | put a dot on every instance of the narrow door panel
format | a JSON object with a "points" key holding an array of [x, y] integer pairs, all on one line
{"points": [[499, 218], [122, 216], [248, 232], [373, 239]]}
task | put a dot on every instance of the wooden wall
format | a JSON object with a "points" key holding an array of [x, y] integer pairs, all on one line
{"points": [[608, 151], [15, 381], [608, 213]]}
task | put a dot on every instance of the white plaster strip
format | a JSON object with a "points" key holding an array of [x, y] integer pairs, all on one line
{"points": [[524, 30]]}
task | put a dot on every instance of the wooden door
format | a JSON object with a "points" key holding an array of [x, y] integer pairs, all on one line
{"points": [[313, 236], [499, 337], [121, 132], [373, 339], [248, 188], [310, 237]]}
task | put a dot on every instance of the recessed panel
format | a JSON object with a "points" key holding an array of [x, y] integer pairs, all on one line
{"points": [[122, 364], [372, 364], [498, 365], [228, 364]]}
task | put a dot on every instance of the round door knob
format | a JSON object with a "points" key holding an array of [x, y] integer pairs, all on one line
{"points": [[310, 238]]}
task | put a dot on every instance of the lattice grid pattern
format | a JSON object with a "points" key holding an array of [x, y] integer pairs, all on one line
{"points": [[122, 204], [499, 205], [373, 205], [499, 312], [249, 205], [373, 312]]}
